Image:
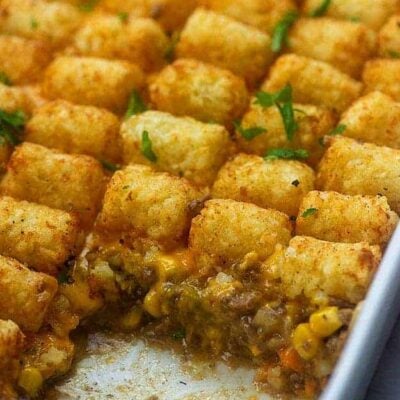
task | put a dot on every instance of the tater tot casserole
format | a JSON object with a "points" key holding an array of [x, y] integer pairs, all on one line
{"points": [[219, 176]]}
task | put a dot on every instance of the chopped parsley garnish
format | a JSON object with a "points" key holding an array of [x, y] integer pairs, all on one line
{"points": [[5, 79], [88, 5], [284, 102], [178, 335], [286, 154], [321, 9], [146, 147], [11, 126], [123, 16], [15, 119], [309, 212], [169, 54], [135, 105], [249, 133], [281, 30], [266, 99], [287, 113], [110, 166], [296, 182], [338, 130], [334, 132], [34, 24], [394, 54]]}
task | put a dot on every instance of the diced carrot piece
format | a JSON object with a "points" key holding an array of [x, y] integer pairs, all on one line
{"points": [[290, 359]]}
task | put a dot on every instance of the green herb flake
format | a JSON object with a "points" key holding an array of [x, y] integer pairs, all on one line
{"points": [[178, 335], [11, 126], [4, 79], [109, 166], [321, 9], [339, 130], [283, 100], [136, 105], [34, 24], [309, 212], [265, 99], [88, 5], [15, 119], [394, 54], [123, 16], [281, 30], [146, 147], [249, 133], [289, 121], [286, 154]]}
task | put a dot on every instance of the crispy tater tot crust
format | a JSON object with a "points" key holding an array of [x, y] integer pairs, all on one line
{"points": [[220, 173]]}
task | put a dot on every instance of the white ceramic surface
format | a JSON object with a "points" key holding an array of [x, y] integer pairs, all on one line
{"points": [[125, 368]]}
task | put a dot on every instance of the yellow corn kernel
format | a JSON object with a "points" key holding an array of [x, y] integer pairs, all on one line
{"points": [[175, 265], [255, 350], [131, 320], [80, 297], [305, 342], [152, 302], [30, 380], [167, 267], [325, 321]]}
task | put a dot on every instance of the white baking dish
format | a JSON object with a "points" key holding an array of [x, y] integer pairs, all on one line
{"points": [[123, 367]]}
